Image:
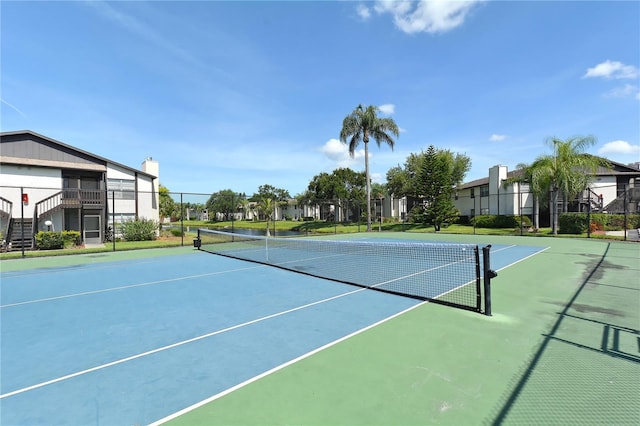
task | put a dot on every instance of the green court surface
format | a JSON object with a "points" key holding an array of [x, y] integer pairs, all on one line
{"points": [[562, 347]]}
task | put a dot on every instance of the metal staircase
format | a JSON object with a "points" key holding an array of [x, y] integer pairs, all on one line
{"points": [[629, 199]]}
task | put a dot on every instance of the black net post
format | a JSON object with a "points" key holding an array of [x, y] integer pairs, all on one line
{"points": [[182, 212], [478, 288], [197, 242], [488, 275]]}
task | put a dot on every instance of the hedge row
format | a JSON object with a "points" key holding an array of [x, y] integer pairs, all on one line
{"points": [[576, 223], [500, 221]]}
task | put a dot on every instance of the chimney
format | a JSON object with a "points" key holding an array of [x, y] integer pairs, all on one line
{"points": [[151, 167]]}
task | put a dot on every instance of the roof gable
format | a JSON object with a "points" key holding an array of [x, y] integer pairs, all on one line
{"points": [[29, 148]]}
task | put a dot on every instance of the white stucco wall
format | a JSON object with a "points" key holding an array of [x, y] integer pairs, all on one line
{"points": [[38, 183]]}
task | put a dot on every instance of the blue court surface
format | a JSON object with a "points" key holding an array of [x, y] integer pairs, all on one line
{"points": [[133, 342]]}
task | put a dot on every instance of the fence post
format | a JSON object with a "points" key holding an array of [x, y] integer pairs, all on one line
{"points": [[588, 212], [22, 219], [113, 222], [625, 211]]}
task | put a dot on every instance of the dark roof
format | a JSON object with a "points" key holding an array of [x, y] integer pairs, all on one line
{"points": [[73, 148], [617, 169]]}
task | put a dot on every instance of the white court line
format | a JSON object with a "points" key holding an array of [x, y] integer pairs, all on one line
{"points": [[521, 259], [105, 290], [279, 367], [174, 345]]}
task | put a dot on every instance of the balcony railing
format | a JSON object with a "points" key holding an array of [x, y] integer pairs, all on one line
{"points": [[82, 197]]}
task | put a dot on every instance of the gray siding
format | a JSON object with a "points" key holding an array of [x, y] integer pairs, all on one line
{"points": [[34, 149]]}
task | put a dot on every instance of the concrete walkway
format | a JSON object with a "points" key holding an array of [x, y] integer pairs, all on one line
{"points": [[632, 234]]}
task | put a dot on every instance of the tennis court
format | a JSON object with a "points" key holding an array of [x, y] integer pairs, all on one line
{"points": [[193, 338]]}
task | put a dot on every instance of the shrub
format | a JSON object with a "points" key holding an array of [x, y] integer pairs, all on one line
{"points": [[49, 240], [572, 223], [71, 238], [139, 230]]}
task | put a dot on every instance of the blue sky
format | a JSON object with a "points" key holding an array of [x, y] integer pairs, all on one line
{"points": [[234, 95]]}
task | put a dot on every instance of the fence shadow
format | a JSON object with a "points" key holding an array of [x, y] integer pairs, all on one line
{"points": [[571, 377]]}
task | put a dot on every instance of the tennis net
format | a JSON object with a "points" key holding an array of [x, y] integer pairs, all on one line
{"points": [[442, 273]]}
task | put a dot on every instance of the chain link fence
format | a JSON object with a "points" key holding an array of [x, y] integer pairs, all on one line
{"points": [[99, 216]]}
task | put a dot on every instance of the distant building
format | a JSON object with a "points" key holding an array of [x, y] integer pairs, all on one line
{"points": [[489, 195], [48, 185]]}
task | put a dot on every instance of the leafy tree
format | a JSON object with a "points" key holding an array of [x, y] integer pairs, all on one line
{"points": [[168, 207], [440, 172], [279, 197], [410, 179], [226, 202], [269, 191], [342, 186], [360, 126], [566, 172]]}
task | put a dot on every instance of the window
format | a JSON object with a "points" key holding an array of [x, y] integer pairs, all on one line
{"points": [[484, 191], [473, 193], [123, 189]]}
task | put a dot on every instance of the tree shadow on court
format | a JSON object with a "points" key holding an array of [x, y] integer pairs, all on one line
{"points": [[586, 367]]}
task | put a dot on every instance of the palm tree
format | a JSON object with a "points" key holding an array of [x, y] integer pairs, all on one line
{"points": [[267, 205], [361, 125], [567, 172]]}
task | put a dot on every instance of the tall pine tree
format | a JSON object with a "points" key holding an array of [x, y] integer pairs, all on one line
{"points": [[438, 177]]}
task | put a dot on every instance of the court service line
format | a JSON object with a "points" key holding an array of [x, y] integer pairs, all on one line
{"points": [[175, 345], [521, 259], [277, 368], [105, 290]]}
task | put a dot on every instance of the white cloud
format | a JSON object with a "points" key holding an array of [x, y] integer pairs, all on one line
{"points": [[497, 138], [426, 16], [619, 147], [612, 70], [628, 90], [387, 108], [363, 12], [338, 153]]}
